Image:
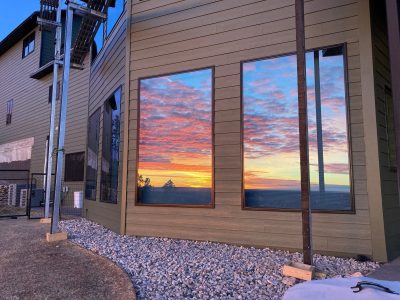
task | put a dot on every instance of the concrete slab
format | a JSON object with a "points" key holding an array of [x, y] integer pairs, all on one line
{"points": [[389, 271], [32, 268]]}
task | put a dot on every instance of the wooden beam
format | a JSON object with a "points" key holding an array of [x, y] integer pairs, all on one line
{"points": [[393, 22], [303, 132]]}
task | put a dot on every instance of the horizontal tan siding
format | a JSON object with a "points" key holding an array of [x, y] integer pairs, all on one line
{"points": [[107, 75], [173, 36]]}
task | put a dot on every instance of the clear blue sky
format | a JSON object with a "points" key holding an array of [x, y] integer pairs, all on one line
{"points": [[13, 12]]}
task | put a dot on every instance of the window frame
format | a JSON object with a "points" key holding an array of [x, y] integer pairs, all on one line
{"points": [[84, 164], [102, 145], [352, 209], [212, 203], [25, 44]]}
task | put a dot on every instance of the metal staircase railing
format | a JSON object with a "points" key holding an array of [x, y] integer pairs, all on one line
{"points": [[93, 15], [48, 14], [92, 19]]}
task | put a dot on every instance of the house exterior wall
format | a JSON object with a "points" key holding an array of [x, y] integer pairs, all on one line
{"points": [[175, 36], [107, 75], [31, 111]]}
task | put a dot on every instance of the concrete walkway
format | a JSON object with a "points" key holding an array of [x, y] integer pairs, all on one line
{"points": [[31, 268], [390, 271]]}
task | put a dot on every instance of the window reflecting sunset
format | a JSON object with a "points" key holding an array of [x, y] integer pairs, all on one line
{"points": [[175, 140]]}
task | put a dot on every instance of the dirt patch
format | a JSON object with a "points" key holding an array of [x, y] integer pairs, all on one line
{"points": [[31, 268]]}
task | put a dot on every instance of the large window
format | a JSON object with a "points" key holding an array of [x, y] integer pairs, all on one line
{"points": [[92, 155], [28, 45], [74, 166], [110, 148], [175, 139], [271, 132]]}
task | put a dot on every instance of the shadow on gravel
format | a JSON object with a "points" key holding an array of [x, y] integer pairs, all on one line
{"points": [[31, 268]]}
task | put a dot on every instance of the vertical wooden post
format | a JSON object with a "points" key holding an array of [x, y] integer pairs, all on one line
{"points": [[393, 22], [303, 131]]}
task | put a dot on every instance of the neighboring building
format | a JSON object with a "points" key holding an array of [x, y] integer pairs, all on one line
{"points": [[193, 124], [25, 100]]}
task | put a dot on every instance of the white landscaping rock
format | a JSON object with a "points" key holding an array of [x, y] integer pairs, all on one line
{"points": [[162, 268]]}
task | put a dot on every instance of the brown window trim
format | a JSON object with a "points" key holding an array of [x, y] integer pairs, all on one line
{"points": [[212, 204], [352, 211]]}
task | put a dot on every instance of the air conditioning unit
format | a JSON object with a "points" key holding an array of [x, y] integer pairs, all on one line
{"points": [[12, 195], [23, 198]]}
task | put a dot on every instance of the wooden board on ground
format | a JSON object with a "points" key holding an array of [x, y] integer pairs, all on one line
{"points": [[298, 270]]}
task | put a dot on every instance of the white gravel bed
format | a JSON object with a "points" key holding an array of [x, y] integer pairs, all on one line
{"points": [[162, 268]]}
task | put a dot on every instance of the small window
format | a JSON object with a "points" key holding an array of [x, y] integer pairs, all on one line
{"points": [[51, 92], [74, 166], [28, 45], [176, 139], [271, 132], [110, 149], [10, 104], [92, 155]]}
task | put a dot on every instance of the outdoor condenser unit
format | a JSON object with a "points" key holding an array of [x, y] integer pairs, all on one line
{"points": [[23, 198], [12, 194]]}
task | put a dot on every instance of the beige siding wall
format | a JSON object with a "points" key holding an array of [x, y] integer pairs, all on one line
{"points": [[31, 112], [107, 75], [173, 36], [30, 100], [390, 196]]}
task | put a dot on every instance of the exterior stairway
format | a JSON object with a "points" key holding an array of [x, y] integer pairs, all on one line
{"points": [[91, 20], [88, 29]]}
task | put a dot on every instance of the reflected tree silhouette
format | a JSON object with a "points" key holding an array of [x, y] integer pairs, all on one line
{"points": [[169, 184], [143, 183]]}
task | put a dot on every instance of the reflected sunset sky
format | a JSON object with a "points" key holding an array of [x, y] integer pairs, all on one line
{"points": [[175, 139], [271, 138]]}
